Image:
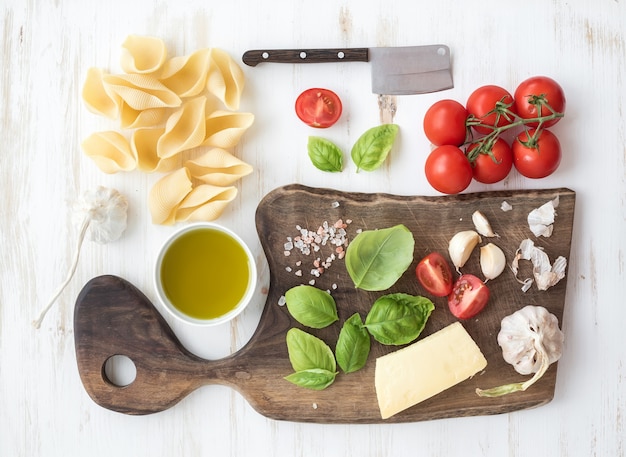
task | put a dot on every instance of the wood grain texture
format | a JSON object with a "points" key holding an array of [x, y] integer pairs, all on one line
{"points": [[112, 317]]}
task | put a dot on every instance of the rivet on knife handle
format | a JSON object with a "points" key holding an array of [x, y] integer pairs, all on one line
{"points": [[255, 57]]}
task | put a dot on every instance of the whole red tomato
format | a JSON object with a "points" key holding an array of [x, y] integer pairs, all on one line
{"points": [[536, 155], [444, 123], [492, 106], [539, 96], [319, 108], [448, 170], [494, 167]]}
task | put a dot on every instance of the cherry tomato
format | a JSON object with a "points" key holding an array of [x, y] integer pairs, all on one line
{"points": [[489, 105], [434, 274], [488, 169], [538, 157], [318, 108], [448, 170], [444, 123], [468, 297], [534, 94]]}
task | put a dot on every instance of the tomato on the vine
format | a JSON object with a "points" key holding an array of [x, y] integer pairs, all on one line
{"points": [[537, 97], [468, 297], [318, 108], [434, 274], [491, 105], [444, 123], [536, 154], [448, 170], [494, 167]]}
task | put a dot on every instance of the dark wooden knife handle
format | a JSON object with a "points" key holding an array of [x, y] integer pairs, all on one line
{"points": [[255, 57]]}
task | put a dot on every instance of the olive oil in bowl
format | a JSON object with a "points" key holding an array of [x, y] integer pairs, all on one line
{"points": [[205, 274]]}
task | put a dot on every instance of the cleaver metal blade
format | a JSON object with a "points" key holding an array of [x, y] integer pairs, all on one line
{"points": [[404, 70]]}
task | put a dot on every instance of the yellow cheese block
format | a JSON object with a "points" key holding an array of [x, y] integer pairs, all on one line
{"points": [[426, 368]]}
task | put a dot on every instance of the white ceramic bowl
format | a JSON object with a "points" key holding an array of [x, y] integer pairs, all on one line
{"points": [[173, 310]]}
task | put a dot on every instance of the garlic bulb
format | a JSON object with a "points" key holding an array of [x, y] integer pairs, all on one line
{"points": [[530, 340], [461, 246], [492, 261], [482, 225]]}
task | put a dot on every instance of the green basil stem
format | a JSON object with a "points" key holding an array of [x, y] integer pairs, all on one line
{"points": [[520, 386], [486, 142]]}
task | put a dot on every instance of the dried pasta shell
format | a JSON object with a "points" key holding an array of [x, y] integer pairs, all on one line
{"points": [[110, 151], [141, 91], [143, 143], [224, 129], [96, 96], [185, 129], [205, 203], [226, 79], [187, 75], [218, 167], [131, 118], [142, 54], [167, 194]]}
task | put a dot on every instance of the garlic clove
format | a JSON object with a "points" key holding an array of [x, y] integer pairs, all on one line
{"points": [[461, 246], [492, 261], [482, 225]]}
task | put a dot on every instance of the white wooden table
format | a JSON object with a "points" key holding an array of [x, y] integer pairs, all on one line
{"points": [[46, 50]]}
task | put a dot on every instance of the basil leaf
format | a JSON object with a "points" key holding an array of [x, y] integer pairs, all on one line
{"points": [[397, 319], [353, 345], [325, 155], [307, 352], [314, 378], [372, 148], [376, 259], [311, 306]]}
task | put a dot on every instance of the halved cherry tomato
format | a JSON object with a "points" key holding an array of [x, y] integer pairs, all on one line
{"points": [[468, 297], [444, 123], [318, 108], [448, 170], [488, 169], [536, 157], [434, 274], [533, 96], [489, 105]]}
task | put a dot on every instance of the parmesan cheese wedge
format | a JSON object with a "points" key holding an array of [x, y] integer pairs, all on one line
{"points": [[415, 373]]}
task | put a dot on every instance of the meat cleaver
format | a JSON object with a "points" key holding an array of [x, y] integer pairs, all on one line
{"points": [[402, 70]]}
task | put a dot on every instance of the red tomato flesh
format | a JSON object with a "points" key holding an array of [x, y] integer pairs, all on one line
{"points": [[468, 297], [434, 274], [319, 108]]}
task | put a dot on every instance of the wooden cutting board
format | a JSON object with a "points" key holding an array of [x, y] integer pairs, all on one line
{"points": [[113, 317]]}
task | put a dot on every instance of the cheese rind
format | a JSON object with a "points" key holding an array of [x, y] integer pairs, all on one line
{"points": [[415, 373]]}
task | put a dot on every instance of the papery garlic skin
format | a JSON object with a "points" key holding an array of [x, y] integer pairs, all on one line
{"points": [[540, 219], [482, 225], [461, 246], [522, 332], [492, 261]]}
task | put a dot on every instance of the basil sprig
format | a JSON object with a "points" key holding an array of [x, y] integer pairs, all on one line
{"points": [[312, 360], [372, 148], [353, 345], [325, 154], [311, 306], [397, 319]]}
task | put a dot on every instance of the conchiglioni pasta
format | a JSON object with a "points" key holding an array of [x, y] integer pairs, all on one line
{"points": [[187, 75], [224, 129], [141, 91], [131, 118], [142, 54], [218, 167], [167, 194], [110, 151], [225, 79], [205, 203], [96, 97], [143, 143], [185, 129]]}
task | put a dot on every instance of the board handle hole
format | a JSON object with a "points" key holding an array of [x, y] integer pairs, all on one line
{"points": [[120, 370]]}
